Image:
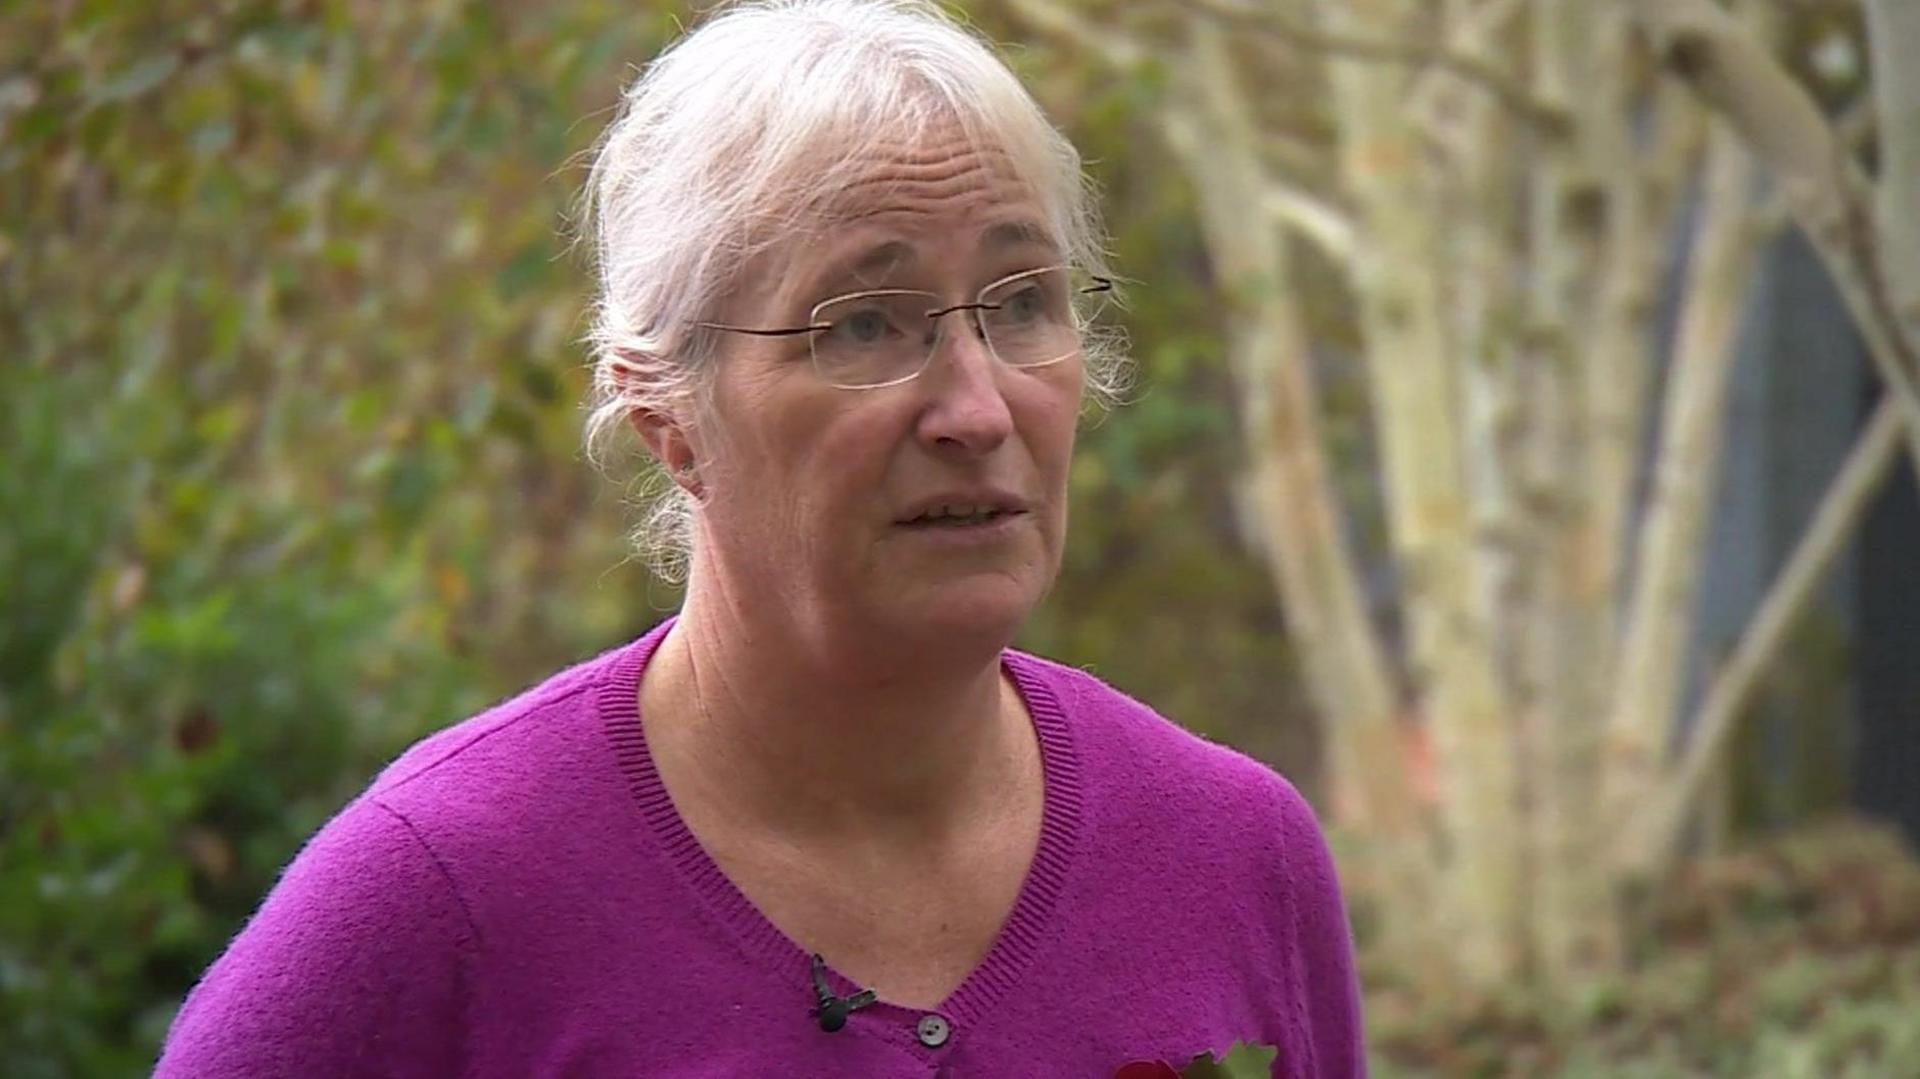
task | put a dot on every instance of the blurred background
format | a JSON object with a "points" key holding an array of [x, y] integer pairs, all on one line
{"points": [[1518, 463]]}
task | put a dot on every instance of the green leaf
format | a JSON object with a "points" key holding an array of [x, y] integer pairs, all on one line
{"points": [[137, 79], [1243, 1061]]}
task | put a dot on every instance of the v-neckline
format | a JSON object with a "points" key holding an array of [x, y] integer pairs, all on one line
{"points": [[1019, 938]]}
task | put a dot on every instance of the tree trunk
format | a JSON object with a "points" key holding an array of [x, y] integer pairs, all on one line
{"points": [[1346, 669], [1416, 396], [1893, 32], [1672, 541]]}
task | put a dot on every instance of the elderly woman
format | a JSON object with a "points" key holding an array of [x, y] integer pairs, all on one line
{"points": [[824, 822]]}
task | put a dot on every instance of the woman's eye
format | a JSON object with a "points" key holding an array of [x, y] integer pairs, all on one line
{"points": [[863, 327], [1024, 305]]}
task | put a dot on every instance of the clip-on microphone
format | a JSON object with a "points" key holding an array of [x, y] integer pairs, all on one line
{"points": [[833, 1011]]}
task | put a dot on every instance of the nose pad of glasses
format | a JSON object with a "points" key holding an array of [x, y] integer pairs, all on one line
{"points": [[969, 314], [936, 326]]}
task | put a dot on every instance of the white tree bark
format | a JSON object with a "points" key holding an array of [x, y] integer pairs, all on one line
{"points": [[1416, 391], [1672, 540], [1311, 559], [1585, 196], [1641, 212], [1346, 667], [1893, 36]]}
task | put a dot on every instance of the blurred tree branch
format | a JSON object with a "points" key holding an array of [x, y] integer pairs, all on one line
{"points": [[1271, 24], [1845, 502], [1781, 124]]}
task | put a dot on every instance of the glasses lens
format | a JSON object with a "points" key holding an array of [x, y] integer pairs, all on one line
{"points": [[873, 338], [1035, 318]]}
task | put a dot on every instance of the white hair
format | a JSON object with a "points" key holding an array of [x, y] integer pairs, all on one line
{"points": [[735, 140]]}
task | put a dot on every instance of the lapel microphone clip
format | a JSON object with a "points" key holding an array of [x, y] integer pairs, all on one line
{"points": [[832, 1011]]}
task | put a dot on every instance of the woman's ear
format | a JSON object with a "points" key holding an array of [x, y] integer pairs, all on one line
{"points": [[667, 441]]}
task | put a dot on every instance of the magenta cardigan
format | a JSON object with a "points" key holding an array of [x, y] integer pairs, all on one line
{"points": [[516, 896]]}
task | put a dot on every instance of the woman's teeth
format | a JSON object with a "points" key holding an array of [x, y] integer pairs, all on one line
{"points": [[952, 515]]}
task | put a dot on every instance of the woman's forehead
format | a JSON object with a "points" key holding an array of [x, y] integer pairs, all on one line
{"points": [[926, 198], [870, 250], [941, 158], [919, 193], [850, 166], [873, 252]]}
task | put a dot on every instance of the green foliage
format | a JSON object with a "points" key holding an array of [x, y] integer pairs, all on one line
{"points": [[141, 699], [1797, 957], [287, 369], [1243, 1061]]}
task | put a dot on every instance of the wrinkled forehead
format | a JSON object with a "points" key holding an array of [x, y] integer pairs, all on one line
{"points": [[938, 168], [923, 191]]}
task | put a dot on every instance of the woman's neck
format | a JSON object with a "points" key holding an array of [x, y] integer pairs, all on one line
{"points": [[776, 736]]}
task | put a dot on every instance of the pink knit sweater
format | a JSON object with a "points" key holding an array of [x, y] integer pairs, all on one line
{"points": [[516, 896]]}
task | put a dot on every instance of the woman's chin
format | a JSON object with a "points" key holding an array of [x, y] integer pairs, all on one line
{"points": [[985, 607]]}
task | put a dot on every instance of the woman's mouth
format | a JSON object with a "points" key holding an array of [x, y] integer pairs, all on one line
{"points": [[960, 516]]}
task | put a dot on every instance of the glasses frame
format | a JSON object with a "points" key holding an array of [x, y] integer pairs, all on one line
{"points": [[1100, 285]]}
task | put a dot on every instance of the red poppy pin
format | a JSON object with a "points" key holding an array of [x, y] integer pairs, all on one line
{"points": [[1243, 1061], [1146, 1069]]}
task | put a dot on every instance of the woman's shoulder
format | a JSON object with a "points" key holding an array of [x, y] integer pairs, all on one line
{"points": [[1223, 838], [357, 958], [533, 711], [1152, 781], [522, 782], [1119, 731]]}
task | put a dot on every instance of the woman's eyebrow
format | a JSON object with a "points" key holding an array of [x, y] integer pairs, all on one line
{"points": [[863, 266], [1016, 233]]}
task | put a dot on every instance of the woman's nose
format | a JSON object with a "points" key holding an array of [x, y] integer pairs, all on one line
{"points": [[966, 406]]}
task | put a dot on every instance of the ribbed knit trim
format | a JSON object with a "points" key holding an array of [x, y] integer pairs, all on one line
{"points": [[1026, 928], [1019, 939], [1304, 1060], [620, 712]]}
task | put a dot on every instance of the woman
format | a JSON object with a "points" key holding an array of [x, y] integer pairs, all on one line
{"points": [[824, 822]]}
